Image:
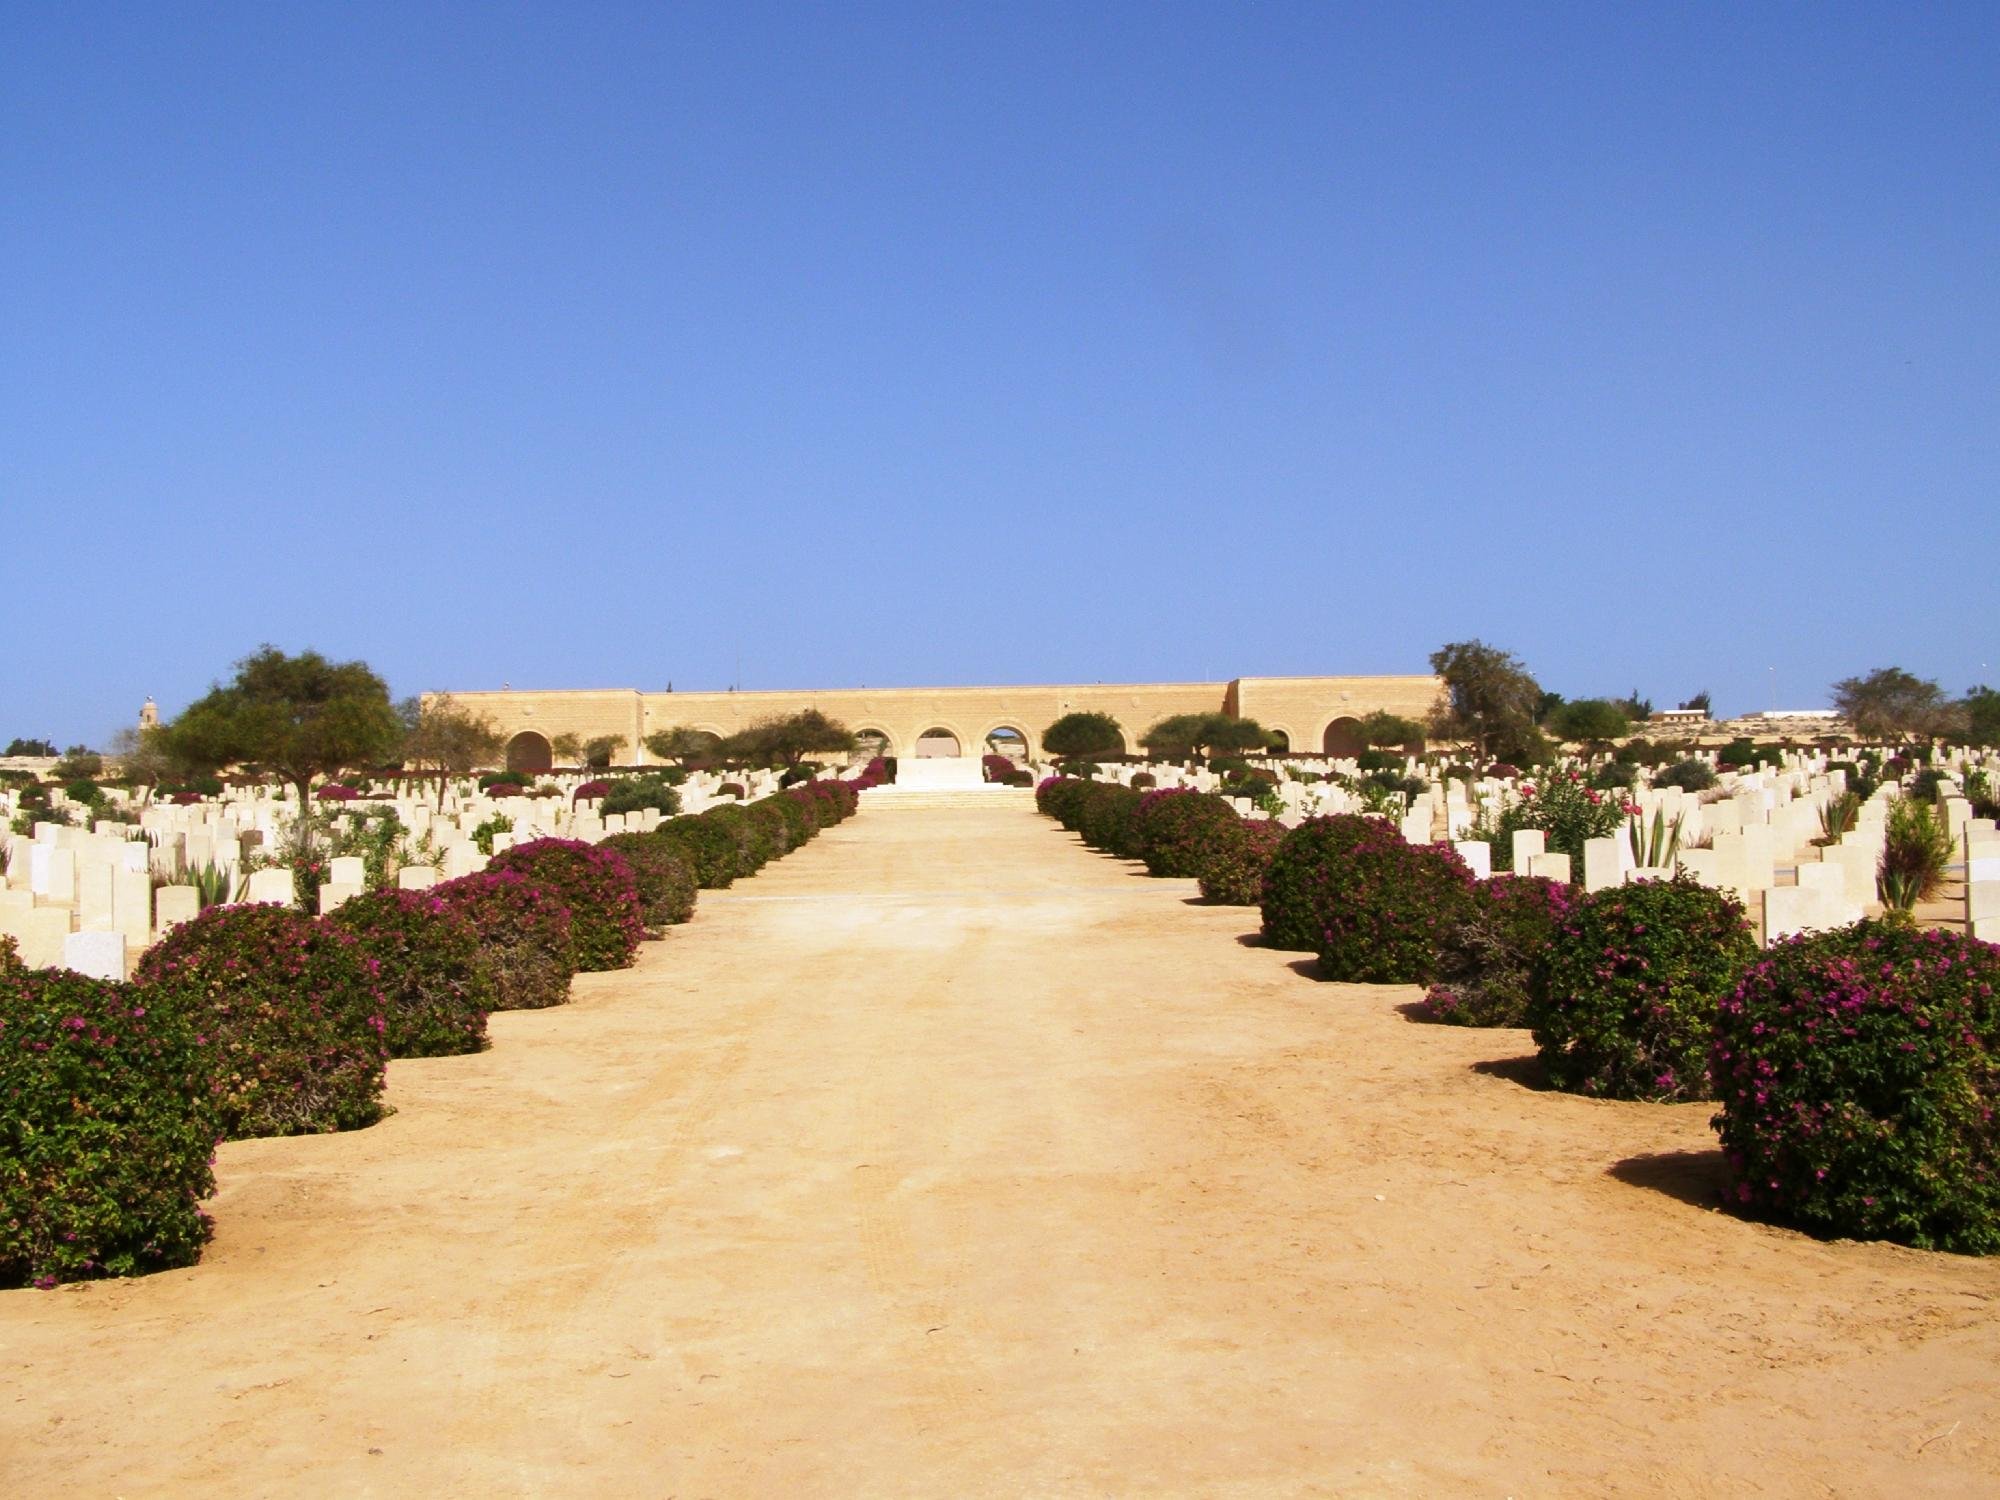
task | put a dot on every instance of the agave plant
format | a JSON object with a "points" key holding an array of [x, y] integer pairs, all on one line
{"points": [[1654, 848], [1838, 815], [1915, 853]]}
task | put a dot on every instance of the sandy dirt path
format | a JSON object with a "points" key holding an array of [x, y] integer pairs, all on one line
{"points": [[949, 1158]]}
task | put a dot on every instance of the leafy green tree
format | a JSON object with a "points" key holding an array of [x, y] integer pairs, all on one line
{"points": [[789, 739], [598, 750], [1387, 731], [77, 762], [19, 746], [1701, 701], [442, 739], [566, 749], [1174, 737], [1638, 710], [1589, 719], [1216, 733], [1084, 734], [301, 717], [682, 744], [1890, 703], [1489, 699], [1981, 708]]}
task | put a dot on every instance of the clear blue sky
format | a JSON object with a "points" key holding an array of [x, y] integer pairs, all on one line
{"points": [[593, 345]]}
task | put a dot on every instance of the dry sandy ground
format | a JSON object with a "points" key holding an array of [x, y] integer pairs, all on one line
{"points": [[948, 1158]]}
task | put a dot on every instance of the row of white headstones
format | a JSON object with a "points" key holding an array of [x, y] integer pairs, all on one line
{"points": [[93, 898], [1756, 831]]}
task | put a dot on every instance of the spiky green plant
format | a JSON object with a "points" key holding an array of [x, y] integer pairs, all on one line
{"points": [[1915, 852], [1654, 847], [1838, 815]]}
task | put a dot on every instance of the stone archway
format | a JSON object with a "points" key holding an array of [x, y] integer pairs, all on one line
{"points": [[1343, 738], [1009, 740], [530, 752], [1281, 741], [870, 742], [937, 743]]}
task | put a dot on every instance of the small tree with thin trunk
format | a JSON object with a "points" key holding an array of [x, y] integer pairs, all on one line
{"points": [[1084, 735]]}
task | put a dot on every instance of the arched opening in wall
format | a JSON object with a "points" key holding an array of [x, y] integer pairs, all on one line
{"points": [[1280, 741], [1343, 738], [529, 752], [869, 743], [935, 743], [1006, 740]]}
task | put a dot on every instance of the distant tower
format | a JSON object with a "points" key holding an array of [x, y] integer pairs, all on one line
{"points": [[149, 715]]}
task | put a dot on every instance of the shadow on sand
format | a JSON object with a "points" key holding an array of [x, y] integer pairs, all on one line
{"points": [[1525, 1070], [1694, 1177]]}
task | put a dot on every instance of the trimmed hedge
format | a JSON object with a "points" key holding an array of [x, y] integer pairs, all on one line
{"points": [[1859, 1074], [289, 1013], [105, 1150], [436, 986], [1630, 987], [603, 896], [1176, 827], [666, 881], [1489, 960], [754, 846], [1109, 819], [1350, 889], [1238, 854], [524, 935], [709, 847]]}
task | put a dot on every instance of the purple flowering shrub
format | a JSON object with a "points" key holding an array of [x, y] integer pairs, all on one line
{"points": [[1238, 854], [1108, 818], [1369, 903], [524, 935], [1859, 1075], [1061, 798], [1630, 985], [755, 846], [666, 880], [787, 824], [436, 985], [589, 792], [1488, 961], [105, 1150], [1176, 827], [287, 1012], [603, 898]]}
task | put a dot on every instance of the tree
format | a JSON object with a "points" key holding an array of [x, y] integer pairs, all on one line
{"points": [[1174, 737], [77, 762], [789, 739], [1890, 703], [1489, 698], [1179, 735], [1981, 708], [301, 717], [682, 744], [598, 750], [1084, 735], [1701, 701], [1590, 719], [566, 749], [1386, 731], [37, 748], [446, 740], [1638, 710]]}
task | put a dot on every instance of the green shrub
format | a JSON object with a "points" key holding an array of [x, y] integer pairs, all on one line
{"points": [[1380, 760], [1238, 854], [799, 823], [709, 848], [436, 987], [524, 935], [754, 847], [1350, 889], [602, 895], [1859, 1074], [1061, 798], [1568, 813], [1489, 960], [482, 836], [1630, 986], [290, 1017], [1740, 755], [1916, 850], [106, 1136], [666, 881], [1689, 775], [630, 794], [1110, 819], [1175, 827]]}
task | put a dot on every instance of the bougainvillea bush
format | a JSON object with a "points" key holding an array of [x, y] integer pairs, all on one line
{"points": [[1061, 798], [666, 880], [105, 1148], [435, 982], [1859, 1074], [1109, 819], [754, 847], [524, 935], [603, 897], [289, 1015], [1489, 959], [709, 848], [1630, 987], [1238, 854], [1176, 827], [1368, 902], [790, 822]]}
